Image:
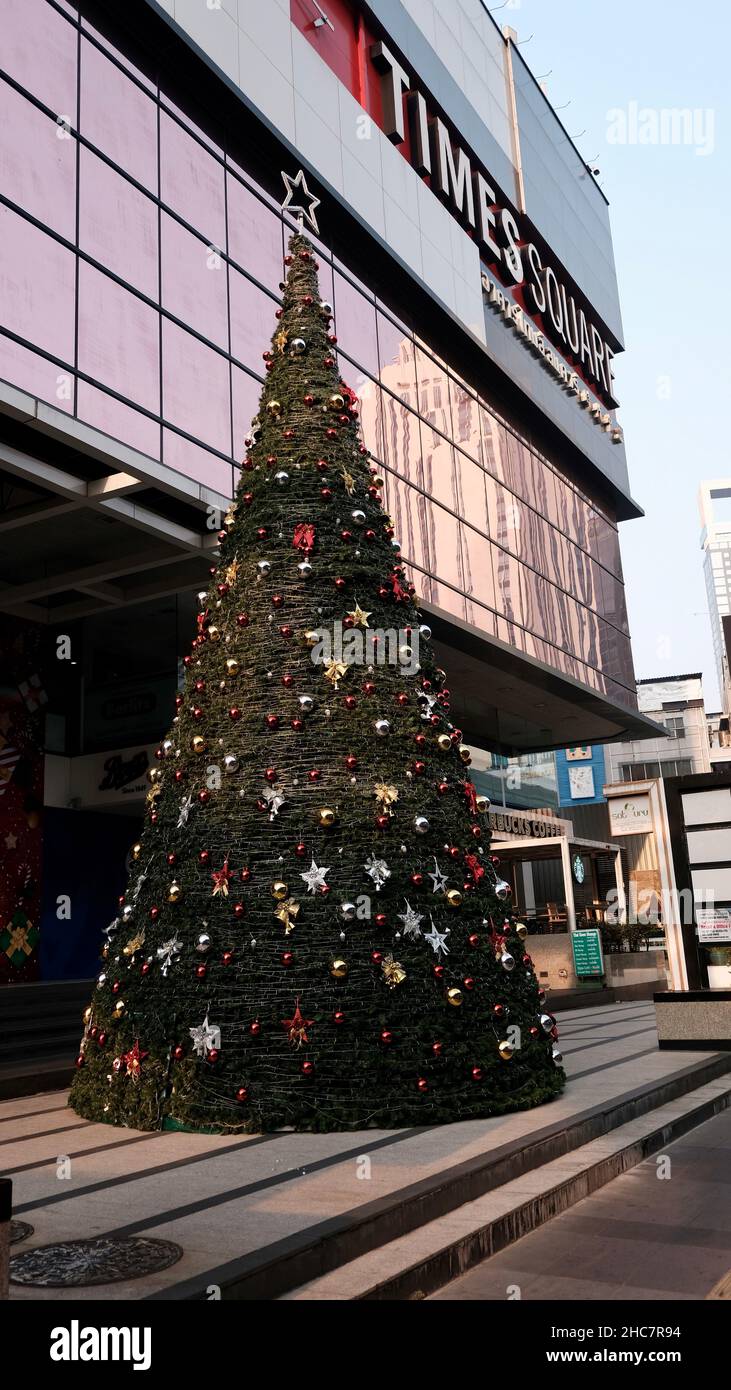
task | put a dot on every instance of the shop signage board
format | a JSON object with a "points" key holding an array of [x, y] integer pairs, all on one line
{"points": [[586, 945], [630, 815], [714, 924]]}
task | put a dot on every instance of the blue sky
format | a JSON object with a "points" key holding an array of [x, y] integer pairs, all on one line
{"points": [[670, 210]]}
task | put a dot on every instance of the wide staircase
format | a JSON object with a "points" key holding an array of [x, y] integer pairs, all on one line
{"points": [[40, 1029]]}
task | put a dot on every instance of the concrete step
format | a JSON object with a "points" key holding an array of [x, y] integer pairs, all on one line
{"points": [[430, 1256], [36, 1075]]}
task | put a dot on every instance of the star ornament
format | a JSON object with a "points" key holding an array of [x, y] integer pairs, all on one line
{"points": [[438, 878], [315, 877], [297, 1026], [360, 618], [134, 1059], [412, 921], [205, 1037], [299, 200], [437, 940]]}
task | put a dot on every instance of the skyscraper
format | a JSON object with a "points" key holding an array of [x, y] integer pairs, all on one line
{"points": [[716, 543]]}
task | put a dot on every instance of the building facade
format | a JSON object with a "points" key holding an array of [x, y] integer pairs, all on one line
{"points": [[676, 704], [716, 546], [466, 250]]}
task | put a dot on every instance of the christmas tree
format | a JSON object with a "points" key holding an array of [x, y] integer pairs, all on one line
{"points": [[315, 933]]}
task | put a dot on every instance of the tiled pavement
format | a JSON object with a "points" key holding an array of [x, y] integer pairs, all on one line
{"points": [[643, 1236], [222, 1198]]}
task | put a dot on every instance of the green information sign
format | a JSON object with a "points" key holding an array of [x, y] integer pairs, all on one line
{"points": [[587, 948]]}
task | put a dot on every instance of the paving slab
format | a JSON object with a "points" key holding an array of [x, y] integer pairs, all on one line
{"points": [[225, 1199]]}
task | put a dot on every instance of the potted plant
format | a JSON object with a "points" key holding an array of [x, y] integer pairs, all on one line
{"points": [[719, 967]]}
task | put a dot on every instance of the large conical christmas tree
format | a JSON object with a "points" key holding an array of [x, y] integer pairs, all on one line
{"points": [[315, 932]]}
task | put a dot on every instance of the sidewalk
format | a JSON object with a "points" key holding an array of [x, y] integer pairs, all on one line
{"points": [[239, 1207]]}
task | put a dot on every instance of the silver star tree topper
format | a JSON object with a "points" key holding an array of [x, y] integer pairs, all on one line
{"points": [[299, 199]]}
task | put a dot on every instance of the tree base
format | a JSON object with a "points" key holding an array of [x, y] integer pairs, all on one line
{"points": [[353, 1116]]}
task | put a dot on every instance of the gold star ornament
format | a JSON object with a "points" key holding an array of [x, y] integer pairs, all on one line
{"points": [[360, 618]]}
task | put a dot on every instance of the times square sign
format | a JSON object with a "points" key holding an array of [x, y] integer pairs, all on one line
{"points": [[520, 283]]}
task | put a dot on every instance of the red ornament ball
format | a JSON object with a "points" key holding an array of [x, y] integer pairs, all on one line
{"points": [[212, 1055], [242, 1094], [178, 1052], [437, 1048], [255, 1028], [386, 1036], [422, 1084], [308, 1068], [338, 1016], [477, 1073], [287, 958], [272, 721], [201, 971], [376, 957], [239, 910], [245, 875]]}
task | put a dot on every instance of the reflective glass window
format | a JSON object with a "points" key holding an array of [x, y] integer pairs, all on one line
{"points": [[355, 324], [36, 286], [191, 181], [120, 421], [252, 320], [117, 116], [195, 462], [196, 388], [254, 235], [118, 224], [37, 163], [194, 282], [36, 374], [118, 338], [39, 51]]}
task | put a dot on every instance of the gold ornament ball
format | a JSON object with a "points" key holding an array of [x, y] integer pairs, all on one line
{"points": [[175, 892], [327, 817], [136, 851], [86, 1014], [214, 634], [454, 897], [521, 930], [120, 1008], [454, 997], [339, 969], [337, 401], [232, 667], [153, 774], [464, 753], [444, 742], [311, 638], [198, 744], [274, 407], [482, 804], [506, 1050], [229, 521], [279, 890]]}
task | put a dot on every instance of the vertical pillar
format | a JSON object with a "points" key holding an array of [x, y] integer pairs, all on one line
{"points": [[568, 886]]}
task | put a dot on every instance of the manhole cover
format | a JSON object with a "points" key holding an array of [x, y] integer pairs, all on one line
{"points": [[20, 1230], [99, 1260]]}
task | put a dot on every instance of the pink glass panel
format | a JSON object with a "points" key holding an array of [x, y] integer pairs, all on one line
{"points": [[195, 462], [118, 116], [246, 396], [466, 420], [402, 439], [471, 491], [371, 414], [396, 357], [118, 224], [185, 117], [35, 374], [119, 55], [254, 235], [477, 561], [37, 168], [36, 286], [120, 421], [434, 392], [118, 339], [410, 512], [194, 282], [355, 324], [252, 321], [196, 388], [439, 473], [445, 546], [39, 51], [191, 181]]}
